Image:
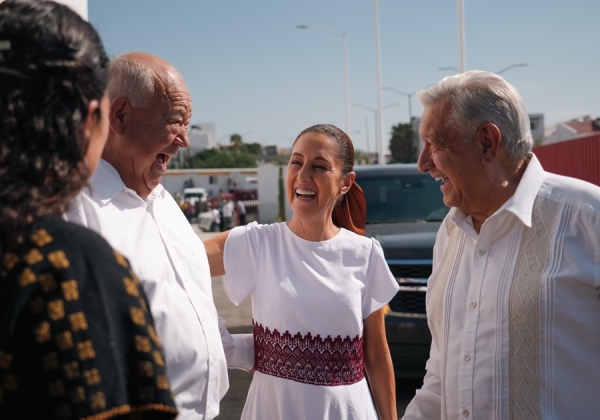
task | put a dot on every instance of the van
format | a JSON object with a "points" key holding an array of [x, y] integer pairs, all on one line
{"points": [[194, 195]]}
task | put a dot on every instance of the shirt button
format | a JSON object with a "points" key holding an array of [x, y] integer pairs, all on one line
{"points": [[212, 361], [467, 357], [481, 251], [466, 413], [473, 304]]}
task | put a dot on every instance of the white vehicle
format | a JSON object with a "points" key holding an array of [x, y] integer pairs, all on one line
{"points": [[209, 221], [195, 194]]}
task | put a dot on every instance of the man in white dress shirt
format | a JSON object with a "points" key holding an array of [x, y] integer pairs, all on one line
{"points": [[149, 114], [513, 302]]}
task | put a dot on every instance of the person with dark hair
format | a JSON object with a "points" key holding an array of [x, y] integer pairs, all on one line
{"points": [[318, 290], [76, 337]]}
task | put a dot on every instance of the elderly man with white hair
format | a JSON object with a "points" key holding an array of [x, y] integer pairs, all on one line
{"points": [[150, 109], [513, 302]]}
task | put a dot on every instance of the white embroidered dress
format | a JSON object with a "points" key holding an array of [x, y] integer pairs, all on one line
{"points": [[309, 300]]}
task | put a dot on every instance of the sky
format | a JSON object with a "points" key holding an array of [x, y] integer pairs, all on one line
{"points": [[252, 72]]}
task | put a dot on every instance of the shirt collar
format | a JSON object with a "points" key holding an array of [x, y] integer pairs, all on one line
{"points": [[107, 184], [520, 204]]}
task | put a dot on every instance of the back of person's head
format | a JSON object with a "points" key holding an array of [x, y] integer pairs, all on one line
{"points": [[52, 64], [350, 211], [474, 98]]}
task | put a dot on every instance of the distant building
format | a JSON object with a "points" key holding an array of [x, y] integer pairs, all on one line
{"points": [[573, 129], [202, 136], [79, 6], [270, 150], [537, 128]]}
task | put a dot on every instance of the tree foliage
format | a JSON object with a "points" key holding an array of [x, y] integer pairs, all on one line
{"points": [[236, 141], [403, 144]]}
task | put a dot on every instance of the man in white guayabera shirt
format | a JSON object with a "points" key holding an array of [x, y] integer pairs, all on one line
{"points": [[149, 114], [513, 302]]}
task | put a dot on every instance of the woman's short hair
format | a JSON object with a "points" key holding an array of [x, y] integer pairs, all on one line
{"points": [[52, 64], [474, 98]]}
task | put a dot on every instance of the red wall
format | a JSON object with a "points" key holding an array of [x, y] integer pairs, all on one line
{"points": [[579, 158]]}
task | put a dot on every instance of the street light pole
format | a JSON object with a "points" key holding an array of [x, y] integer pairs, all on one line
{"points": [[504, 70], [381, 158], [408, 95], [376, 117], [511, 67], [346, 76], [461, 37]]}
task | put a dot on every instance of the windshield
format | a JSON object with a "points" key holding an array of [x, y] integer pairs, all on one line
{"points": [[403, 198]]}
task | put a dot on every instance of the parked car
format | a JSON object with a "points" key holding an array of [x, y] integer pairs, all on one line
{"points": [[195, 194], [404, 212], [194, 202], [209, 221]]}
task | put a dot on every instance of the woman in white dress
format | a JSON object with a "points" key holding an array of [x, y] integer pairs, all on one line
{"points": [[318, 290]]}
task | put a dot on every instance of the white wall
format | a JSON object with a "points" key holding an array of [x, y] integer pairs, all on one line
{"points": [[174, 178], [268, 194], [264, 178], [79, 6]]}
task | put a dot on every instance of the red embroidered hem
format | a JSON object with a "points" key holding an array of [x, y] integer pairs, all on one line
{"points": [[329, 362]]}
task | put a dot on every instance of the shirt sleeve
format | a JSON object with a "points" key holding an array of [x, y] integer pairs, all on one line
{"points": [[241, 261], [381, 286], [239, 348]]}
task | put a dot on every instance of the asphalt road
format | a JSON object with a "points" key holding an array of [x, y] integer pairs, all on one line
{"points": [[239, 320]]}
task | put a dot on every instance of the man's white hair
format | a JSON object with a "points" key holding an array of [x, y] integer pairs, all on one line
{"points": [[475, 98], [132, 80]]}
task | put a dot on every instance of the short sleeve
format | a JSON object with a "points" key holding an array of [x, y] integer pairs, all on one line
{"points": [[381, 286], [241, 261]]}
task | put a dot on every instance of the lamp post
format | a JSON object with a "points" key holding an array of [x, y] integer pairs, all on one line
{"points": [[346, 82], [512, 66], [378, 133], [504, 70], [454, 69], [379, 122], [408, 95], [462, 65]]}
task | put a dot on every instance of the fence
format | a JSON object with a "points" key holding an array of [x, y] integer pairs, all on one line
{"points": [[579, 158]]}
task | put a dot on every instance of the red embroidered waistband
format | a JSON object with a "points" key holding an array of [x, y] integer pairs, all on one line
{"points": [[307, 359]]}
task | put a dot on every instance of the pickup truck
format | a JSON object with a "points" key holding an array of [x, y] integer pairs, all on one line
{"points": [[404, 211]]}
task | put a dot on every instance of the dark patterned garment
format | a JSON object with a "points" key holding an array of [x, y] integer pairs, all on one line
{"points": [[76, 337]]}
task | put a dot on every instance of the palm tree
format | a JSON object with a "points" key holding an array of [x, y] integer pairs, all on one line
{"points": [[236, 139]]}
